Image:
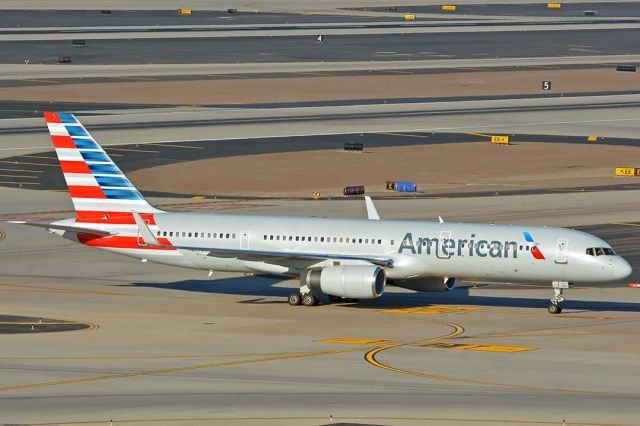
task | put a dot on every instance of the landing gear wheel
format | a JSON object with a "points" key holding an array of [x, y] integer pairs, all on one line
{"points": [[554, 308], [295, 299], [309, 299]]}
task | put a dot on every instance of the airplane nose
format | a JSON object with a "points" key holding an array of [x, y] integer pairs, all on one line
{"points": [[621, 269]]}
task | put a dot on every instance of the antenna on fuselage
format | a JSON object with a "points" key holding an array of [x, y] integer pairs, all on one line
{"points": [[372, 213]]}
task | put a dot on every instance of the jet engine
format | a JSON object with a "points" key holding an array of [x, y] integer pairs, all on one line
{"points": [[428, 284], [352, 282]]}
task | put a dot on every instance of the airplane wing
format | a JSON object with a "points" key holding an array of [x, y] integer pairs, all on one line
{"points": [[69, 228], [272, 256], [255, 255]]}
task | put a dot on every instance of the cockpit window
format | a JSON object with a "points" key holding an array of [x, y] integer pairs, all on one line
{"points": [[601, 251]]}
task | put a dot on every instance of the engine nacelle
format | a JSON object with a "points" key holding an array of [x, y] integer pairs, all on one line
{"points": [[428, 284], [353, 282]]}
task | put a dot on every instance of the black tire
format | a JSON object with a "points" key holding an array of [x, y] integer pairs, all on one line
{"points": [[554, 308], [309, 299], [295, 299]]}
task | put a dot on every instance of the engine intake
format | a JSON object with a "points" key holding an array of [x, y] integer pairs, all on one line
{"points": [[353, 282]]}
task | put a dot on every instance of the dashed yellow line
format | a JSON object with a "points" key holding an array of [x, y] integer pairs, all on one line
{"points": [[406, 135], [160, 145], [175, 369], [38, 156], [132, 150], [21, 170], [20, 176], [478, 134], [41, 323], [312, 74], [484, 348], [625, 224], [351, 341], [227, 75], [19, 183], [432, 310], [17, 163]]}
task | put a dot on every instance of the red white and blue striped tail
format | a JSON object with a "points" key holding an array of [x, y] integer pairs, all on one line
{"points": [[99, 190]]}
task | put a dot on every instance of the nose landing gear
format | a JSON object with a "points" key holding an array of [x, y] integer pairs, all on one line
{"points": [[555, 307]]}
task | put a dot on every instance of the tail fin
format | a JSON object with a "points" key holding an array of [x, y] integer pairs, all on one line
{"points": [[99, 190]]}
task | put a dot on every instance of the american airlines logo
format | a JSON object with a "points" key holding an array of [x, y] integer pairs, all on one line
{"points": [[535, 250], [445, 247]]}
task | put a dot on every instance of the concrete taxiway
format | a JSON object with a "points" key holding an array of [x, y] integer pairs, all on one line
{"points": [[379, 47], [172, 347]]}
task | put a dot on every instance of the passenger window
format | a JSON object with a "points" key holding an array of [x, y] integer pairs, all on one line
{"points": [[233, 236], [392, 242], [341, 239], [264, 237], [297, 238], [171, 234], [366, 241], [271, 237], [335, 239], [379, 241], [322, 239], [360, 241], [302, 238]]}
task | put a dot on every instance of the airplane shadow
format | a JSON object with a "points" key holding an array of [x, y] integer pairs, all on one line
{"points": [[263, 286]]}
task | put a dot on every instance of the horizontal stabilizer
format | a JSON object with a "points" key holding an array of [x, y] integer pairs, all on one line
{"points": [[60, 227]]}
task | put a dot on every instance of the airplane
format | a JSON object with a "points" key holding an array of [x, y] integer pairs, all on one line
{"points": [[345, 259]]}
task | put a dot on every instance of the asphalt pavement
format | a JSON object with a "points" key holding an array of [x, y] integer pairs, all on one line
{"points": [[383, 47]]}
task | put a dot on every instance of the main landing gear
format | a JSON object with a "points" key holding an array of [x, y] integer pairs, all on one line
{"points": [[308, 299], [555, 307]]}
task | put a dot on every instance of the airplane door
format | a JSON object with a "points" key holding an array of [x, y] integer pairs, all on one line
{"points": [[561, 250], [442, 253], [244, 240]]}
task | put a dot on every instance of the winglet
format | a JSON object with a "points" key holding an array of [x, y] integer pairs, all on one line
{"points": [[144, 231], [372, 213]]}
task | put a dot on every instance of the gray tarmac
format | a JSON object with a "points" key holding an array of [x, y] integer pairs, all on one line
{"points": [[613, 9], [94, 18], [173, 347], [40, 171], [517, 44]]}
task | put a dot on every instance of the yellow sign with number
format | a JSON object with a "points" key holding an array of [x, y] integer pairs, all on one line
{"points": [[449, 7], [625, 171], [554, 5], [504, 140]]}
